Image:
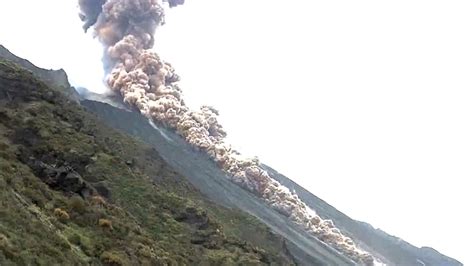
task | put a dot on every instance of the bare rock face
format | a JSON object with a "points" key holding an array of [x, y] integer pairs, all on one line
{"points": [[58, 176], [63, 178]]}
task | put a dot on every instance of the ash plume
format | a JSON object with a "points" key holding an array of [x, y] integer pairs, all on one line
{"points": [[174, 3], [147, 83], [90, 11]]}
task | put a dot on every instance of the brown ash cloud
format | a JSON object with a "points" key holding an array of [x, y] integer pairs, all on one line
{"points": [[126, 28]]}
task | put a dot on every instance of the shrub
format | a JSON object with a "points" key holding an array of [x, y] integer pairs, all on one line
{"points": [[77, 204], [111, 258], [6, 248], [34, 196], [105, 223], [98, 200], [61, 214], [75, 239]]}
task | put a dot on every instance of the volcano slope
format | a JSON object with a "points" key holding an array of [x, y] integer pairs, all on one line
{"points": [[76, 192], [56, 158], [203, 174]]}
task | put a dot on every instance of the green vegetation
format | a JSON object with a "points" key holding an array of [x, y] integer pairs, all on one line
{"points": [[75, 192]]}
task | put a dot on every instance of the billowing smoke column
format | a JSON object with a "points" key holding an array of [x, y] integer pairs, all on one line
{"points": [[126, 29], [90, 11]]}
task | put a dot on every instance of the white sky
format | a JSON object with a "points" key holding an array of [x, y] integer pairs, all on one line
{"points": [[368, 104]]}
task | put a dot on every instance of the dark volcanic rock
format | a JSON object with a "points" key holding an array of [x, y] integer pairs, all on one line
{"points": [[62, 178], [102, 189]]}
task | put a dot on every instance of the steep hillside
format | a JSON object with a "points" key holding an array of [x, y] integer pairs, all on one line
{"points": [[389, 249], [203, 173], [73, 191], [393, 250]]}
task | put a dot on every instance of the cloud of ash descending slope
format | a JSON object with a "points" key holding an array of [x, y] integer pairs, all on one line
{"points": [[144, 81]]}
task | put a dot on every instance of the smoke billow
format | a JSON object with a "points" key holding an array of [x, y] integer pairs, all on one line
{"points": [[174, 3], [126, 29], [90, 11]]}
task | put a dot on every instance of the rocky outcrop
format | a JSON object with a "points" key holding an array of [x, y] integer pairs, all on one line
{"points": [[62, 178]]}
